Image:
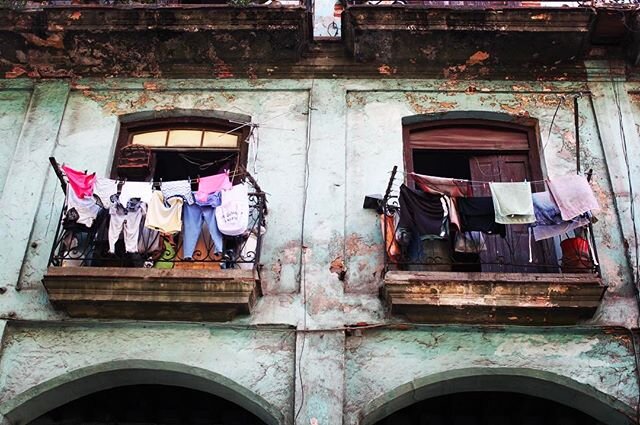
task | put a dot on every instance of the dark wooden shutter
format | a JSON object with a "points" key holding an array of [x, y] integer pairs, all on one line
{"points": [[510, 254], [469, 137]]}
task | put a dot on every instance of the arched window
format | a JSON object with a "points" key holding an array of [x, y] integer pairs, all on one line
{"points": [[483, 147], [186, 146]]}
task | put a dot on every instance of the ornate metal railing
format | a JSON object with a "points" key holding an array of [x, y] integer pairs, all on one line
{"points": [[575, 253], [80, 246], [475, 252], [151, 3], [488, 4]]}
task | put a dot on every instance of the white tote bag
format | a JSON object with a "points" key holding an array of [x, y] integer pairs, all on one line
{"points": [[232, 215]]}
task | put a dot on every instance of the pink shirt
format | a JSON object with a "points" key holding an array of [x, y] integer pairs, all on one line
{"points": [[211, 184], [81, 183]]}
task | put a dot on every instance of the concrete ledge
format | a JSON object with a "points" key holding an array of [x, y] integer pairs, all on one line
{"points": [[516, 298], [135, 293], [208, 40], [448, 37]]}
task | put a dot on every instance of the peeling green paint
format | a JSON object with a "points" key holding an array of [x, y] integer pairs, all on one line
{"points": [[355, 129]]}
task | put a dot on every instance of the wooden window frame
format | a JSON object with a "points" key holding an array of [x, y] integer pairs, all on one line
{"points": [[528, 126], [129, 129]]}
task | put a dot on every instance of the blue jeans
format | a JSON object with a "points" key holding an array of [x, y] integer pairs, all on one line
{"points": [[192, 218]]}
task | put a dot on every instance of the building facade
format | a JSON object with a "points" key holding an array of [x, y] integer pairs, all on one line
{"points": [[323, 326]]}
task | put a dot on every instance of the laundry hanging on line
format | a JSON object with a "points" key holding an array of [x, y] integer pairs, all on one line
{"points": [[135, 208]]}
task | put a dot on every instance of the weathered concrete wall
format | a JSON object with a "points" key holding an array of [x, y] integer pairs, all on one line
{"points": [[260, 360], [573, 354], [322, 146], [355, 138], [14, 101]]}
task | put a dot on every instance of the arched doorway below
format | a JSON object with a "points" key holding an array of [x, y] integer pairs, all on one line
{"points": [[488, 408], [148, 405]]}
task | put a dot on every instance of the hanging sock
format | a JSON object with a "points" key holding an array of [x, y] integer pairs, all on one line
{"points": [[530, 247]]}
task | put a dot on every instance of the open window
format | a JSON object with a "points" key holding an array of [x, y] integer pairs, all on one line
{"points": [[483, 151], [186, 147]]}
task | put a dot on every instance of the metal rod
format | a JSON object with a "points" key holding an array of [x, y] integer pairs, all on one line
{"points": [[388, 191], [59, 173], [576, 119]]}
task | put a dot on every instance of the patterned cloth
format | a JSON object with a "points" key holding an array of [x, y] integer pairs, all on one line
{"points": [[549, 222], [181, 188]]}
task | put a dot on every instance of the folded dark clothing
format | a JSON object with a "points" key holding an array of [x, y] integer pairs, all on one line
{"points": [[422, 213], [478, 214]]}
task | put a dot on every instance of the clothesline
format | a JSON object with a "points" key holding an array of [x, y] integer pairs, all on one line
{"points": [[479, 182], [242, 173], [442, 202]]}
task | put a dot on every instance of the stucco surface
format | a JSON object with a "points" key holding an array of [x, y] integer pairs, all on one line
{"points": [[260, 360], [319, 148], [602, 361], [13, 107], [347, 135]]}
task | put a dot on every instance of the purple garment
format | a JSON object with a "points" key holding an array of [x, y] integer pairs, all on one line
{"points": [[573, 195], [211, 200], [549, 222]]}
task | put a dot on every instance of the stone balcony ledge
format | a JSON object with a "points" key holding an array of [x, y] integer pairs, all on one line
{"points": [[149, 41], [152, 294], [481, 297]]}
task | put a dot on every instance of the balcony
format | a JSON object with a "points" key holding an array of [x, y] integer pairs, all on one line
{"points": [[483, 39], [157, 283], [196, 39], [489, 279]]}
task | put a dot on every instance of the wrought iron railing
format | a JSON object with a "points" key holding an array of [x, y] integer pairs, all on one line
{"points": [[466, 252], [474, 252], [150, 3], [489, 4], [81, 246]]}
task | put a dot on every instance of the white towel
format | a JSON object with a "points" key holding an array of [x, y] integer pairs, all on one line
{"points": [[131, 190], [512, 202]]}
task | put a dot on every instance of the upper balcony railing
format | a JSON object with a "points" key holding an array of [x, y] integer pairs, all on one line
{"points": [[29, 4], [494, 4]]}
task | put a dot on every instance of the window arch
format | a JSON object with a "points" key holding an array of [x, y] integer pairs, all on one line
{"points": [[185, 143], [483, 147]]}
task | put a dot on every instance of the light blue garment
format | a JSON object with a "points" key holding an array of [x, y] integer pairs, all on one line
{"points": [[192, 218], [549, 222]]}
